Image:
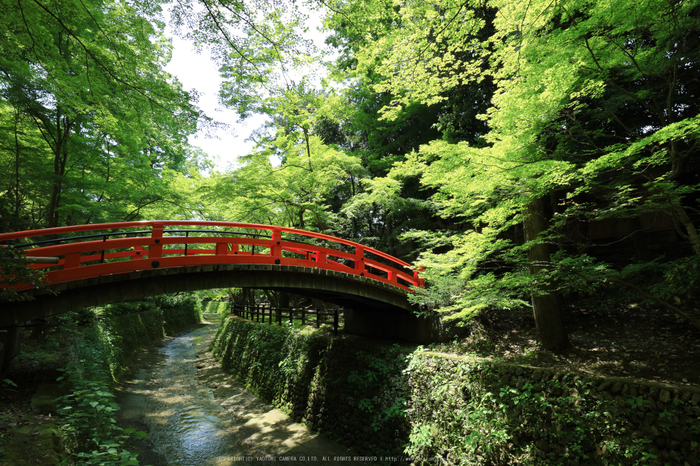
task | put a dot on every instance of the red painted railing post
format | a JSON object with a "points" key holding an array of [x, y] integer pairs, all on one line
{"points": [[155, 250], [276, 249], [221, 249], [359, 260]]}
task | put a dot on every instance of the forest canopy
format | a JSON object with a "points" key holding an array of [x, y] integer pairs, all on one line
{"points": [[525, 153]]}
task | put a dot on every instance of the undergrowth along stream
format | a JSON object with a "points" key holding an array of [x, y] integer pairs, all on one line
{"points": [[387, 400], [89, 429], [91, 349]]}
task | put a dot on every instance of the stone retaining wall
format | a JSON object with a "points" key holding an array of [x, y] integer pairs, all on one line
{"points": [[536, 415], [382, 400]]}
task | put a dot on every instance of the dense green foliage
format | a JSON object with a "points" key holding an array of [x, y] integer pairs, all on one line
{"points": [[593, 118], [90, 121], [524, 153]]}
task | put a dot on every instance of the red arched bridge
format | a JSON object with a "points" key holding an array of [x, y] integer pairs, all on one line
{"points": [[88, 265]]}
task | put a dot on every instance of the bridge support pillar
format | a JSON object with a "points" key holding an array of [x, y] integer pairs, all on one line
{"points": [[393, 326]]}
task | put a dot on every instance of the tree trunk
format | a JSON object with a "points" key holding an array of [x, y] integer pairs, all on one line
{"points": [[60, 150], [308, 147], [545, 304], [248, 296], [18, 198], [681, 216]]}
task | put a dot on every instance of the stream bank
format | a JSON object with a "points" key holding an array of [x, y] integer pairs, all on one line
{"points": [[196, 414], [388, 400], [87, 348]]}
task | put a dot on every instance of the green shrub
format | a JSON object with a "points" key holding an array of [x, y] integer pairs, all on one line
{"points": [[88, 429]]}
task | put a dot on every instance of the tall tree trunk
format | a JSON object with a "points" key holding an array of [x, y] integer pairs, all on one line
{"points": [[55, 200], [63, 129], [681, 216], [308, 147], [248, 296], [545, 304], [18, 151], [60, 142]]}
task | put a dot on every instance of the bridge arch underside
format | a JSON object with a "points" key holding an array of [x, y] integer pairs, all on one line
{"points": [[372, 308]]}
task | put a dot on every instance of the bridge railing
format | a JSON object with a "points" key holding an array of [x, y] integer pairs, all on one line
{"points": [[86, 251], [266, 313]]}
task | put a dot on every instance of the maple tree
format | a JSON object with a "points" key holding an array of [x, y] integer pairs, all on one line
{"points": [[92, 115], [593, 116]]}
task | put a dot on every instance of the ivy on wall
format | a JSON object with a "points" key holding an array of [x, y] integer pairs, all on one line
{"points": [[353, 391], [480, 412], [388, 400]]}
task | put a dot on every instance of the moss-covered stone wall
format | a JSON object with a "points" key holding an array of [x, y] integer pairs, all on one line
{"points": [[384, 400], [502, 413], [346, 387], [125, 327]]}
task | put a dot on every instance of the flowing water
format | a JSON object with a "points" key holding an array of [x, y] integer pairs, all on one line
{"points": [[197, 415]]}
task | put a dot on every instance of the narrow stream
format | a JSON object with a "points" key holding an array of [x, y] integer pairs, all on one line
{"points": [[207, 418]]}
